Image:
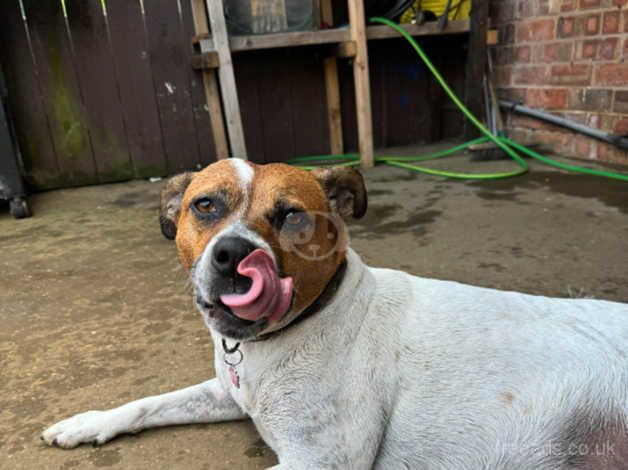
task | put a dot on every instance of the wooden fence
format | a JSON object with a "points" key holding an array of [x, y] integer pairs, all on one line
{"points": [[103, 91]]}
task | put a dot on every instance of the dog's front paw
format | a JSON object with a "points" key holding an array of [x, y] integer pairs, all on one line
{"points": [[93, 427]]}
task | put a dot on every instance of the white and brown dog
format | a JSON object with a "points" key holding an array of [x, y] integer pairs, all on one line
{"points": [[340, 365]]}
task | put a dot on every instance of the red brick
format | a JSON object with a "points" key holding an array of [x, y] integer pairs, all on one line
{"points": [[570, 75], [612, 75], [610, 22], [568, 5], [549, 98], [621, 128], [588, 49], [536, 30], [624, 54], [620, 3], [607, 48], [584, 4], [621, 101], [589, 99], [611, 154], [530, 123], [592, 24], [543, 7], [566, 27], [526, 9], [557, 52], [529, 75], [522, 54], [626, 21], [558, 142], [583, 146], [577, 116]]}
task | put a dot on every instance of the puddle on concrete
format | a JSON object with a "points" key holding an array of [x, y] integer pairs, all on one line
{"points": [[612, 193], [379, 192], [136, 198], [406, 176], [415, 224]]}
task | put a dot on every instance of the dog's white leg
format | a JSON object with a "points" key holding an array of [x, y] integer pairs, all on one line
{"points": [[207, 402]]}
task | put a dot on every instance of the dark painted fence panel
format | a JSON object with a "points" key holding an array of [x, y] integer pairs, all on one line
{"points": [[108, 94], [98, 80], [61, 92], [167, 46], [137, 92], [25, 98]]}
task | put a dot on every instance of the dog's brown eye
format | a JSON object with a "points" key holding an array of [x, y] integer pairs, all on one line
{"points": [[205, 206]]}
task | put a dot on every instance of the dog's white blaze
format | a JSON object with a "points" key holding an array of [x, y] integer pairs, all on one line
{"points": [[245, 174]]}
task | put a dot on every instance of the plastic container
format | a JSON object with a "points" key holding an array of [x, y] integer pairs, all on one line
{"points": [[271, 16]]}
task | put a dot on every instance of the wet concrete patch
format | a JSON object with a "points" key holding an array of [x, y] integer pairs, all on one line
{"points": [[136, 198], [610, 192]]}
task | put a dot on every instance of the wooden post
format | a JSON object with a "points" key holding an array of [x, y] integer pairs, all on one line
{"points": [[227, 78], [211, 88], [476, 63], [361, 80], [330, 67]]}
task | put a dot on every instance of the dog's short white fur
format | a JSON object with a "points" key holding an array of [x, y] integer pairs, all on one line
{"points": [[399, 371]]}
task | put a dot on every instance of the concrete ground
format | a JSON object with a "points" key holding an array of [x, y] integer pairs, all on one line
{"points": [[96, 311]]}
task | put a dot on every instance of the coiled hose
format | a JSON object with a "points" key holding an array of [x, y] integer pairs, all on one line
{"points": [[409, 162]]}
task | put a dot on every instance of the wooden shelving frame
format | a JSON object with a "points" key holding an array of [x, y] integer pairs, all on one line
{"points": [[351, 41]]}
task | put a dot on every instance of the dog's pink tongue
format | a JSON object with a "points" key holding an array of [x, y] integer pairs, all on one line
{"points": [[269, 295]]}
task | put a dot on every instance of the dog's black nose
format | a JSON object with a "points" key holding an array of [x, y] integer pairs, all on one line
{"points": [[228, 252]]}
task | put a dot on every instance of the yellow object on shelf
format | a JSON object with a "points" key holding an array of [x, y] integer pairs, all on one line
{"points": [[459, 10]]}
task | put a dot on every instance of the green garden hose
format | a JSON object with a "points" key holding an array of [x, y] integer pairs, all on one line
{"points": [[408, 162]]}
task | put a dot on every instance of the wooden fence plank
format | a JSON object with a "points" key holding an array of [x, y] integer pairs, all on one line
{"points": [[98, 81], [230, 104], [332, 88], [172, 85], [210, 84], [137, 93], [361, 80], [25, 103], [61, 93], [202, 123]]}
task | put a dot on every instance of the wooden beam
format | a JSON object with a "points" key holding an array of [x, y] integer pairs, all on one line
{"points": [[328, 36], [228, 87], [476, 63], [332, 87], [205, 60], [362, 84], [210, 85], [345, 50]]}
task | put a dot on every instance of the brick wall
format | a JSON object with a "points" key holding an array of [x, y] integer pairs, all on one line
{"points": [[569, 57]]}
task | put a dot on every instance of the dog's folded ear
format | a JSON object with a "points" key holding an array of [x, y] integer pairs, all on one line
{"points": [[345, 190], [170, 203]]}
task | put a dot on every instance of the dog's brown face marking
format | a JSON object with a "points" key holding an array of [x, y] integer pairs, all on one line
{"points": [[260, 197]]}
